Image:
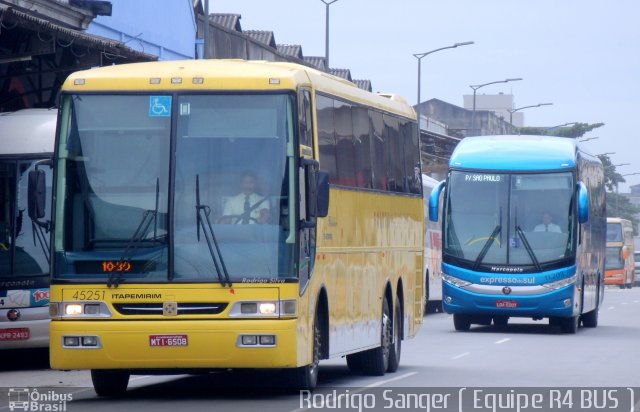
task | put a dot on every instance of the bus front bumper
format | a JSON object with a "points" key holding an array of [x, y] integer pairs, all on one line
{"points": [[554, 303], [183, 344], [614, 277], [30, 331]]}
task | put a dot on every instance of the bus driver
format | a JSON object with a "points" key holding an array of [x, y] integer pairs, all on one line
{"points": [[547, 225], [247, 207]]}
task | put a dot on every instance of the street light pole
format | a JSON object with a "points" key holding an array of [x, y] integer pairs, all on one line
{"points": [[512, 111], [420, 56], [475, 87], [326, 32]]}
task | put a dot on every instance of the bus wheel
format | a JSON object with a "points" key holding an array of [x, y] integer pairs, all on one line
{"points": [[461, 322], [570, 325], [500, 321], [354, 362], [306, 377], [590, 319], [376, 361], [109, 382], [396, 346]]}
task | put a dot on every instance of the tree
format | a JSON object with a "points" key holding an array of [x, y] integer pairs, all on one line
{"points": [[575, 131]]}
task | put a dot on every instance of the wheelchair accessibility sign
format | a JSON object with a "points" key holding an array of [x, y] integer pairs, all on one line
{"points": [[159, 106]]}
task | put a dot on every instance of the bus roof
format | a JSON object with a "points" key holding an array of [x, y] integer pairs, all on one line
{"points": [[225, 75], [27, 132], [515, 152]]}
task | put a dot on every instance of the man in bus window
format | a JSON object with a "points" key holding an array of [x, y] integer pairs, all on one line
{"points": [[547, 224], [247, 207]]}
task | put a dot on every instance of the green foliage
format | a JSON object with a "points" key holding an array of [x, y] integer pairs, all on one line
{"points": [[574, 131], [611, 177]]}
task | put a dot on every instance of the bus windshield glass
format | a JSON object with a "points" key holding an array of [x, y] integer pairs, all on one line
{"points": [[156, 185], [23, 243], [614, 232], [522, 220]]}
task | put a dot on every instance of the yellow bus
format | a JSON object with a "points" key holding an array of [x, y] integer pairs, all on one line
{"points": [[619, 262], [193, 227]]}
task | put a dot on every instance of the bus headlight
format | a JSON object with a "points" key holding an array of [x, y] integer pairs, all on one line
{"points": [[267, 308], [90, 309], [73, 309], [455, 281], [559, 284]]}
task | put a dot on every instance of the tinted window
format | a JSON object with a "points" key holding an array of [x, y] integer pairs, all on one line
{"points": [[395, 172], [362, 145], [378, 151], [324, 107]]}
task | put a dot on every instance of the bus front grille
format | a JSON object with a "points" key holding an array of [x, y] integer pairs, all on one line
{"points": [[191, 308]]}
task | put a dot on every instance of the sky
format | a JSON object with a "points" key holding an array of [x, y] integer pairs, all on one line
{"points": [[581, 55]]}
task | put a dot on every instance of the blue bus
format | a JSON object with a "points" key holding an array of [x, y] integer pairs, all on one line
{"points": [[524, 230]]}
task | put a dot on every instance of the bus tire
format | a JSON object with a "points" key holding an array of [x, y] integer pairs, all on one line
{"points": [[570, 324], [396, 346], [461, 322], [354, 362], [500, 322], [109, 382], [376, 361], [306, 377], [590, 319]]}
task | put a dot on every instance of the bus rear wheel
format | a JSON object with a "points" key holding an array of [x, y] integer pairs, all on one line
{"points": [[354, 362], [396, 347], [461, 322], [109, 382], [376, 361]]}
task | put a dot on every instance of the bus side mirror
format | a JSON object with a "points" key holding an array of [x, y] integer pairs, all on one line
{"points": [[322, 179], [583, 203], [434, 201], [316, 192], [36, 194]]}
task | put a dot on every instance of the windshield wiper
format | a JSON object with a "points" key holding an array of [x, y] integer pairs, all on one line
{"points": [[136, 240], [486, 246], [527, 246], [210, 237]]}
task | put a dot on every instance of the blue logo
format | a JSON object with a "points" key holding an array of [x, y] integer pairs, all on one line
{"points": [[159, 106]]}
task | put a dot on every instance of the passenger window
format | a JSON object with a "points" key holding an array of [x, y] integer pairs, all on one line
{"points": [[326, 136]]}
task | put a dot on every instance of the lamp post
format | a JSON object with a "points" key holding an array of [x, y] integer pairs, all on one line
{"points": [[617, 191], [475, 87], [326, 32], [420, 56], [512, 111]]}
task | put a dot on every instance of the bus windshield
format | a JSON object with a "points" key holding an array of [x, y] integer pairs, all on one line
{"points": [[23, 244], [522, 220], [155, 184]]}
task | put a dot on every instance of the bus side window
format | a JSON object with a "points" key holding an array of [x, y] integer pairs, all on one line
{"points": [[326, 136], [305, 118]]}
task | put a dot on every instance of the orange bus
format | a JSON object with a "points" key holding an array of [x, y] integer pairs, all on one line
{"points": [[619, 263]]}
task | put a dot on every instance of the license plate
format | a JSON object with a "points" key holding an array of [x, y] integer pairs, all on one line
{"points": [[168, 340], [14, 334], [507, 304]]}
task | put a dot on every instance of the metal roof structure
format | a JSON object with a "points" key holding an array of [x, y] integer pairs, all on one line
{"points": [[344, 73], [263, 36], [317, 62], [41, 42], [228, 20], [294, 50], [363, 84]]}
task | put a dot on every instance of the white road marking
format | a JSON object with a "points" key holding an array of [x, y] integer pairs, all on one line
{"points": [[502, 341], [461, 355], [397, 378]]}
